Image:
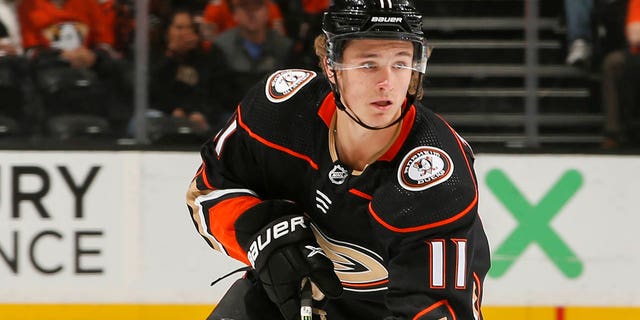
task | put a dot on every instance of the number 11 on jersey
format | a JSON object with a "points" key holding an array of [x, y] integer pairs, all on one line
{"points": [[437, 255]]}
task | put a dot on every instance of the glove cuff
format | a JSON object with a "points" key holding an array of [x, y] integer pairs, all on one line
{"points": [[279, 233]]}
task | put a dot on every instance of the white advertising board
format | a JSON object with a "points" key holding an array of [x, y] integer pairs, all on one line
{"points": [[113, 227], [563, 229], [115, 230]]}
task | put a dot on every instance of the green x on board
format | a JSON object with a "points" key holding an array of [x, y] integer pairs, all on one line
{"points": [[534, 223]]}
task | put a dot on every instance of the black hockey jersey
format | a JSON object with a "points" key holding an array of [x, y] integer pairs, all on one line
{"points": [[404, 234]]}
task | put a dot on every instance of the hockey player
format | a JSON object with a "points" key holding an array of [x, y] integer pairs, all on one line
{"points": [[345, 179]]}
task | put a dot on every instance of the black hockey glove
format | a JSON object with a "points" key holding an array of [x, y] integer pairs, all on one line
{"points": [[281, 247]]}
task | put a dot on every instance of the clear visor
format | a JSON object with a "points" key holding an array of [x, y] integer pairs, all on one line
{"points": [[418, 62]]}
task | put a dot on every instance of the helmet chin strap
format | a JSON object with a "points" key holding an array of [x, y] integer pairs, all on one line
{"points": [[334, 86]]}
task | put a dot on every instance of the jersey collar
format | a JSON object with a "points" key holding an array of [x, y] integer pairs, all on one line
{"points": [[328, 109]]}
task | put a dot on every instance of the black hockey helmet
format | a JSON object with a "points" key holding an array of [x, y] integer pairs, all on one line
{"points": [[374, 19]]}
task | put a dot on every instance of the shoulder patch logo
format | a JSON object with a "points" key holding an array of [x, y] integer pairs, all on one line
{"points": [[283, 84], [423, 168]]}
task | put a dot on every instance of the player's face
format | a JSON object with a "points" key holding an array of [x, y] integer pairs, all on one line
{"points": [[374, 77]]}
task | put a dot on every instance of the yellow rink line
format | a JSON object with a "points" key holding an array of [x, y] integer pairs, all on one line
{"points": [[103, 312], [560, 313], [200, 312]]}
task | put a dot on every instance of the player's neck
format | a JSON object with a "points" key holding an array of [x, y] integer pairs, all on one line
{"points": [[357, 146]]}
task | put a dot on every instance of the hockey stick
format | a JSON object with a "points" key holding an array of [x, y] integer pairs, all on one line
{"points": [[306, 300]]}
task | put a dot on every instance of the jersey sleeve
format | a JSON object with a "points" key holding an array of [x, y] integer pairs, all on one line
{"points": [[441, 276], [237, 170], [222, 190], [427, 221]]}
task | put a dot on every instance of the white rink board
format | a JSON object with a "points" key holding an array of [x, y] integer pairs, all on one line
{"points": [[135, 242], [149, 251], [600, 223]]}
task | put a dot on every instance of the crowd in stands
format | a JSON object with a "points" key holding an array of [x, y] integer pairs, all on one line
{"points": [[621, 79], [579, 35], [66, 63]]}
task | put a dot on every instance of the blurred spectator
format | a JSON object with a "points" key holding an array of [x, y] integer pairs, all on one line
{"points": [[118, 16], [73, 30], [71, 53], [610, 17], [18, 103], [196, 7], [621, 85], [218, 17], [310, 28], [120, 20], [10, 41], [246, 53], [298, 12], [302, 23], [178, 82], [160, 12], [315, 6], [579, 31]]}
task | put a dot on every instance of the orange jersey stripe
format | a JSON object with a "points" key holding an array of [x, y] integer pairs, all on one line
{"points": [[407, 124], [205, 179], [365, 285], [225, 215], [458, 216], [361, 194], [435, 306], [327, 109], [274, 145]]}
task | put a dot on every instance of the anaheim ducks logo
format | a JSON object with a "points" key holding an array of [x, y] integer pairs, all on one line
{"points": [[283, 84], [424, 167], [359, 269], [66, 35]]}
